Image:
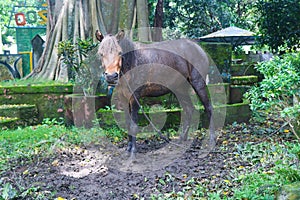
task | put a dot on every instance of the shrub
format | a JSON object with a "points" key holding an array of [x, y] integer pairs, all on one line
{"points": [[81, 58], [279, 90]]}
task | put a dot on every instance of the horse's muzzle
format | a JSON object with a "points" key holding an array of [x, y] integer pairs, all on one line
{"points": [[111, 78]]}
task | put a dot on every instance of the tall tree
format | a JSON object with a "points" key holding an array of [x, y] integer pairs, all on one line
{"points": [[278, 24], [143, 20], [158, 21], [196, 18], [72, 19]]}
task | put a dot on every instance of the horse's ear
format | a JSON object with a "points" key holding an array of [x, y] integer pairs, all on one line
{"points": [[99, 35], [120, 35]]}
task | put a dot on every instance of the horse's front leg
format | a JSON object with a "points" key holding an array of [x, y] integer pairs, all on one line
{"points": [[128, 124], [133, 128]]}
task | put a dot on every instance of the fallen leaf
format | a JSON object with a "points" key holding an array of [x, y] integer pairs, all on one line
{"points": [[227, 181], [269, 172], [55, 163]]}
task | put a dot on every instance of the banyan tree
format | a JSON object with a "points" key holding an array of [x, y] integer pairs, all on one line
{"points": [[72, 19]]}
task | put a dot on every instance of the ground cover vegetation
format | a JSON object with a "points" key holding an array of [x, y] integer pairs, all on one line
{"points": [[251, 161]]}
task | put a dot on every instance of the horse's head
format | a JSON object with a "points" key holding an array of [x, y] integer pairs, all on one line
{"points": [[111, 55]]}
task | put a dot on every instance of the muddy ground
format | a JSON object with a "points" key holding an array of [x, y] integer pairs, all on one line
{"points": [[94, 172]]}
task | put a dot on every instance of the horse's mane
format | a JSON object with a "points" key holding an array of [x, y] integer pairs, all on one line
{"points": [[128, 54], [109, 45]]}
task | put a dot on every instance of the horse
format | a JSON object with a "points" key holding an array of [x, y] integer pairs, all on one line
{"points": [[153, 63]]}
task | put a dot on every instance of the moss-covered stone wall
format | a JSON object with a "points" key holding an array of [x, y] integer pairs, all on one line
{"points": [[225, 114], [49, 100], [220, 53]]}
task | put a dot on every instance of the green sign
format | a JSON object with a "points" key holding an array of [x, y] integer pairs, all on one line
{"points": [[24, 35]]}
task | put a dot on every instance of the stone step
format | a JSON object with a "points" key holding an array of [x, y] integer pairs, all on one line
{"points": [[8, 122], [244, 80], [13, 115]]}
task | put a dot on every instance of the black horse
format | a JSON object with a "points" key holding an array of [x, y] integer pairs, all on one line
{"points": [[149, 70]]}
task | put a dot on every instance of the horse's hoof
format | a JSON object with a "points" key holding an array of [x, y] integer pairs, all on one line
{"points": [[132, 156], [127, 153], [129, 147], [212, 141]]}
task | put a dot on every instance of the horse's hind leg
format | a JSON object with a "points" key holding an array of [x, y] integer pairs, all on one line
{"points": [[200, 88], [188, 109]]}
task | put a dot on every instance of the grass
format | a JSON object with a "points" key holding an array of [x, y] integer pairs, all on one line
{"points": [[41, 140], [26, 82]]}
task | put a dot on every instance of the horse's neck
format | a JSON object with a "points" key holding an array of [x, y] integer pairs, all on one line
{"points": [[129, 55]]}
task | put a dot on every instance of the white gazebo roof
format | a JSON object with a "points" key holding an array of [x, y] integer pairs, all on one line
{"points": [[235, 36]]}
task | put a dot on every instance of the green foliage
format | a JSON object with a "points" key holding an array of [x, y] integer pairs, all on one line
{"points": [[196, 18], [115, 133], [25, 143], [54, 121], [8, 192], [265, 184], [28, 82], [280, 85], [278, 23], [76, 56], [72, 54], [270, 171]]}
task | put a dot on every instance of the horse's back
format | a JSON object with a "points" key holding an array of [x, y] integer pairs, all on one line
{"points": [[182, 50]]}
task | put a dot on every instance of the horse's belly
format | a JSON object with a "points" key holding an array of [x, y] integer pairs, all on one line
{"points": [[153, 90]]}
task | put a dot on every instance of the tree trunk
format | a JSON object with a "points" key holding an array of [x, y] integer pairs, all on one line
{"points": [[158, 21], [72, 19], [143, 21], [128, 15]]}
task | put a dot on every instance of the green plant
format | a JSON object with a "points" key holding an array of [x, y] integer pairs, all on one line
{"points": [[281, 84], [115, 133], [80, 56], [7, 192], [53, 121], [269, 170]]}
